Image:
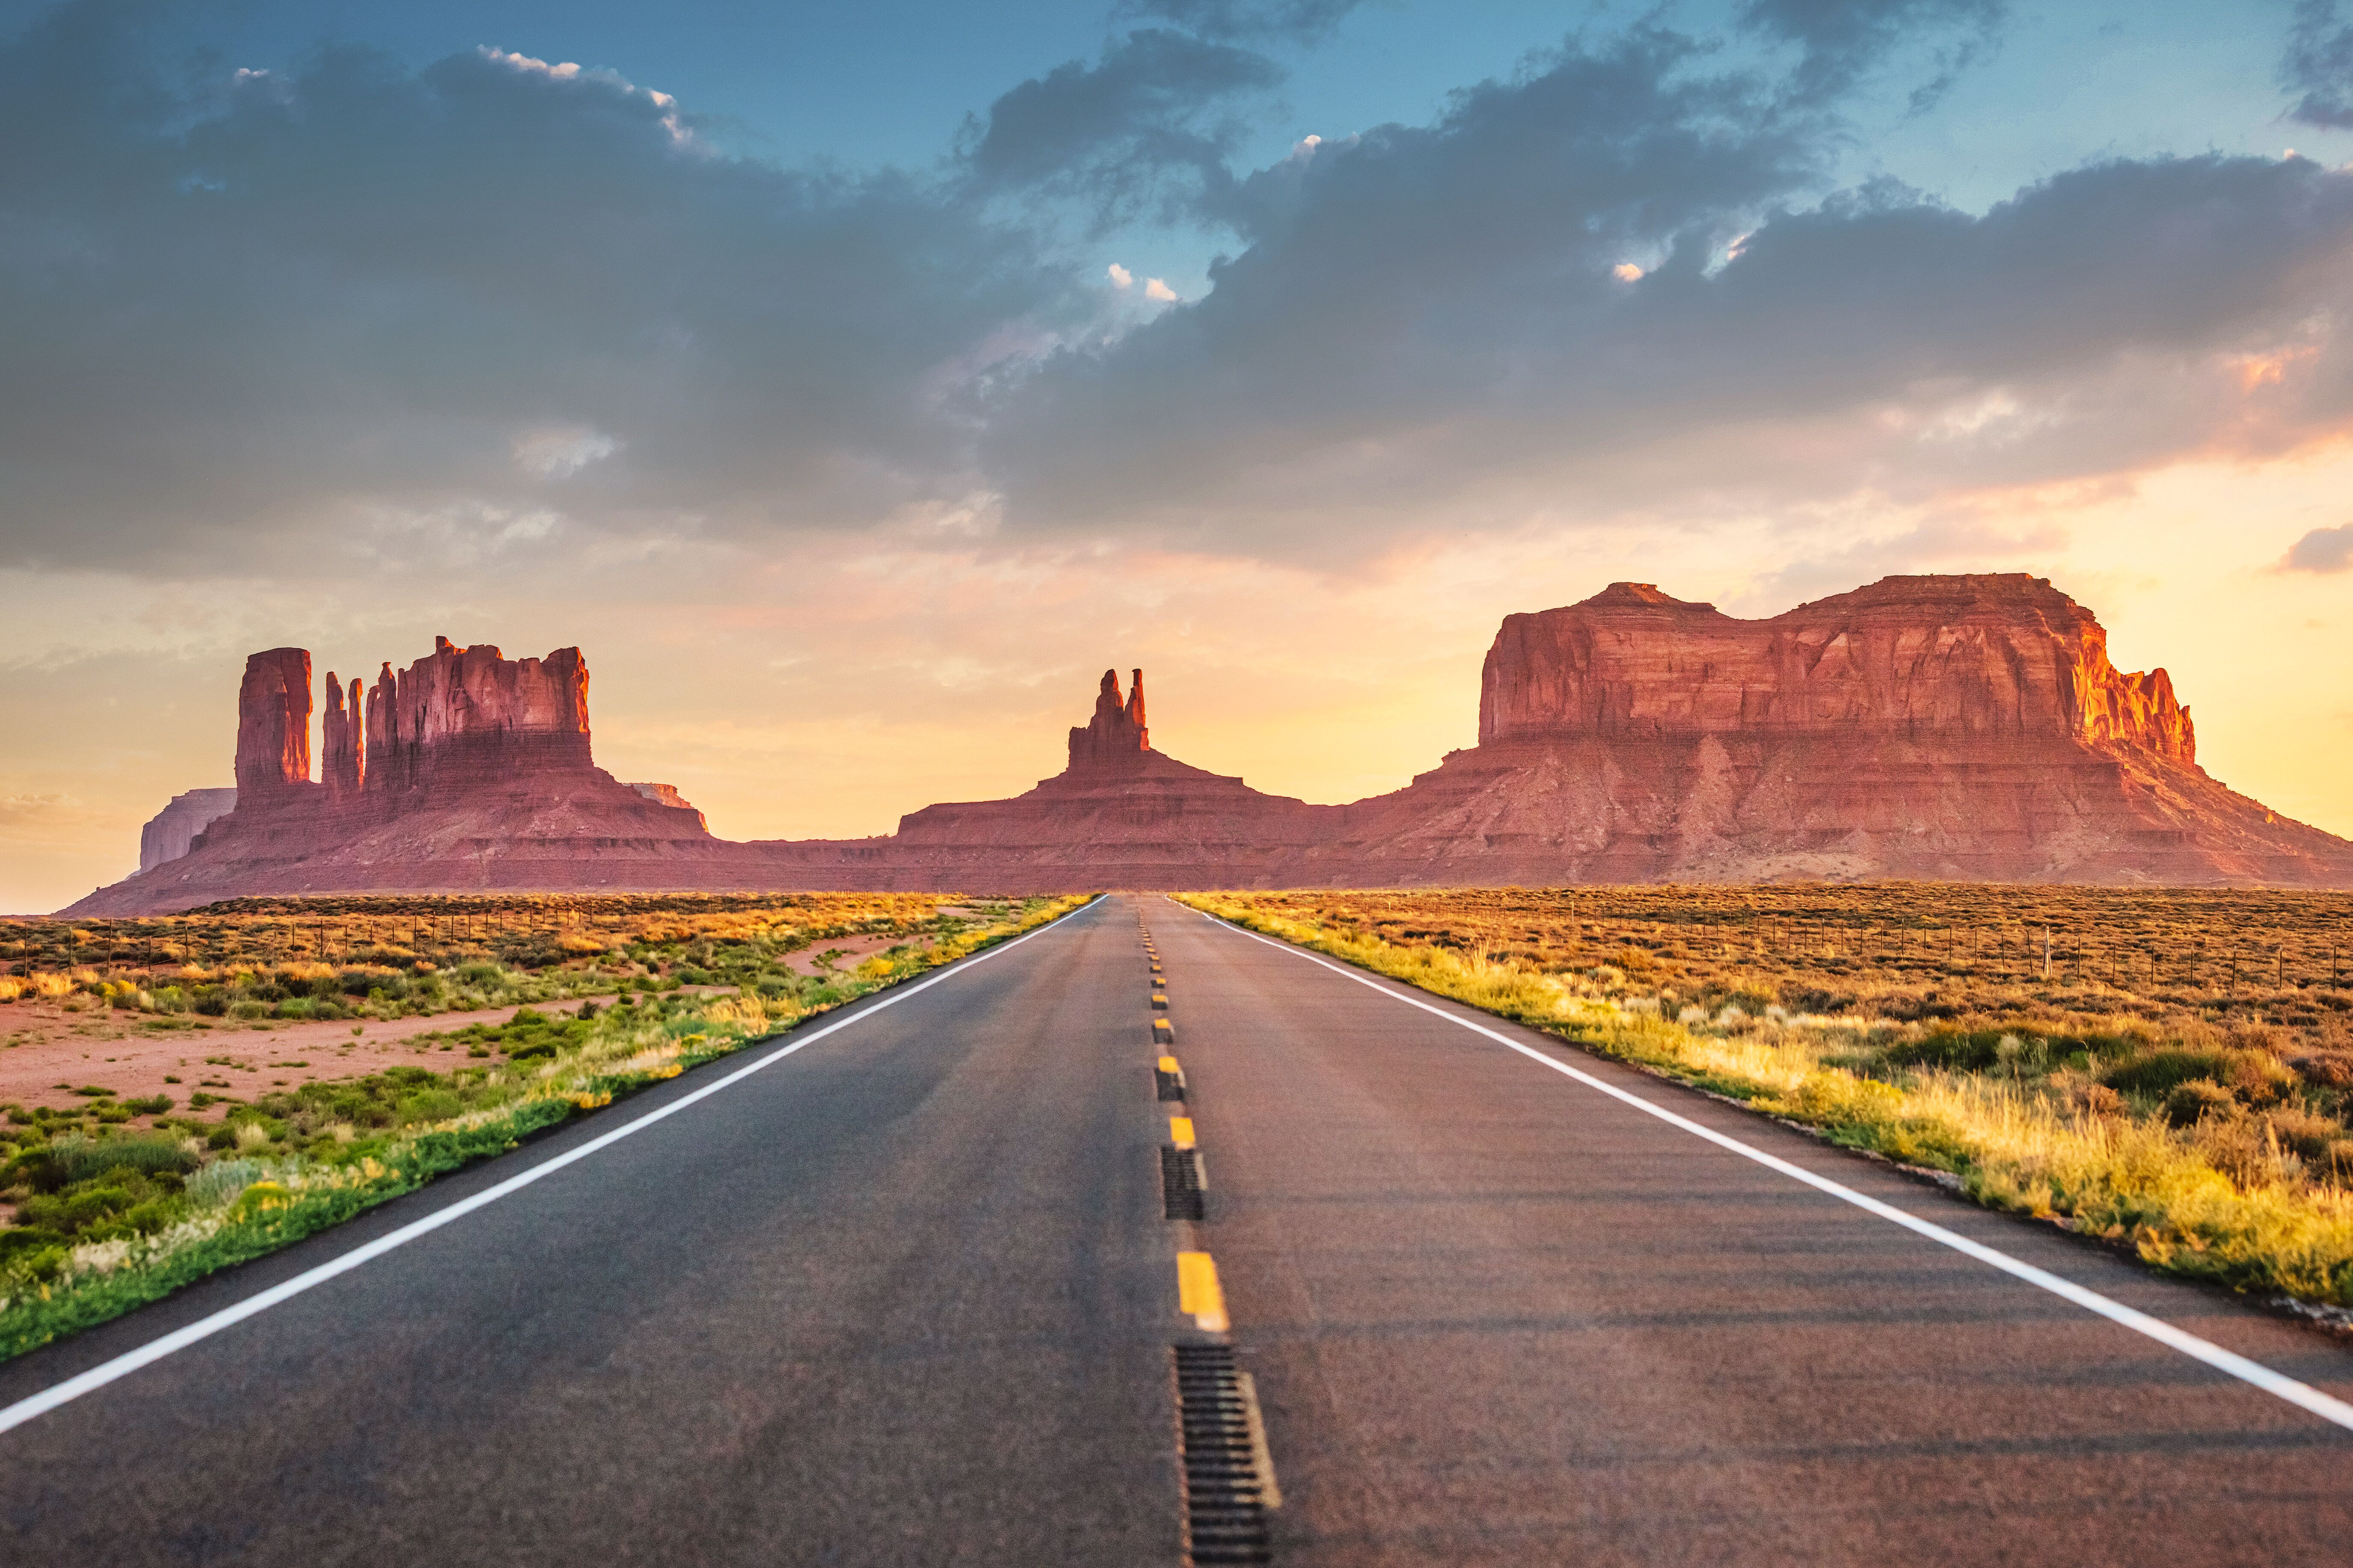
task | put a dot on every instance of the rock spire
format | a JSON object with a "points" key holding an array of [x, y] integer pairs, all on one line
{"points": [[273, 724], [1117, 736]]}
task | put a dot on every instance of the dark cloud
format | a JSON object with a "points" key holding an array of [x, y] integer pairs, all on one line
{"points": [[2319, 65], [356, 307], [1260, 21], [1841, 40], [1128, 134], [491, 282], [1420, 310], [2323, 551]]}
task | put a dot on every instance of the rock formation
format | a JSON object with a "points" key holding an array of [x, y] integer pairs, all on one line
{"points": [[1939, 727], [467, 715], [342, 745], [170, 831], [1935, 727], [273, 725], [1996, 657], [665, 795], [467, 770], [1117, 734]]}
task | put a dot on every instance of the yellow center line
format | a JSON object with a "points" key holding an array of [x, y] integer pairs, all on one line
{"points": [[1198, 1294]]}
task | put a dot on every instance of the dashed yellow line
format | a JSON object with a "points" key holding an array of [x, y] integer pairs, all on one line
{"points": [[1197, 1293]]}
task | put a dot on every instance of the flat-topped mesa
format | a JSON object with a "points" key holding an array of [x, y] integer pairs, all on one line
{"points": [[273, 725], [1991, 656], [1116, 736], [464, 716]]}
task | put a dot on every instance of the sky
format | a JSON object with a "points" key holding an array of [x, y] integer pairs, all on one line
{"points": [[854, 384]]}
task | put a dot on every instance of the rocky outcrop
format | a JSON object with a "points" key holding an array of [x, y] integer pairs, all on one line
{"points": [[465, 717], [343, 744], [170, 831], [1959, 658], [467, 770], [273, 725], [1117, 736], [667, 795], [1967, 727], [1931, 727]]}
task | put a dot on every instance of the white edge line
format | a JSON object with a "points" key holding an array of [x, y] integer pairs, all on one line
{"points": [[2302, 1396], [129, 1362]]}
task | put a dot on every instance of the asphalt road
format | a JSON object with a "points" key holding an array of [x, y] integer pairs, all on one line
{"points": [[1496, 1317], [906, 1297], [902, 1297]]}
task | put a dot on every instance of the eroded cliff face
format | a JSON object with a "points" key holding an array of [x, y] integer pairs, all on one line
{"points": [[464, 717], [1917, 659], [273, 725], [1932, 727], [466, 770], [169, 833], [343, 748], [1117, 736]]}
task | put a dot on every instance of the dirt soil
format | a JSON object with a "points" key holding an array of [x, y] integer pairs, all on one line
{"points": [[47, 1052], [132, 1054]]}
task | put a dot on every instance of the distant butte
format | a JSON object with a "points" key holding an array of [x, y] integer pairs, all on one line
{"points": [[1955, 727]]}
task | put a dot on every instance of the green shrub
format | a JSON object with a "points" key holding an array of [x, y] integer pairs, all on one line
{"points": [[2159, 1072], [1956, 1050], [221, 1182], [72, 1158], [2187, 1104], [295, 1007]]}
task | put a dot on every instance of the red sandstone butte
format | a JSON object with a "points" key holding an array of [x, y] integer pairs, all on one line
{"points": [[468, 770], [1961, 727], [1967, 727]]}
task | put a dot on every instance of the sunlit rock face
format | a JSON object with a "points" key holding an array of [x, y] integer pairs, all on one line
{"points": [[273, 725], [466, 716], [466, 770], [1967, 727], [170, 831], [1117, 736], [1958, 658]]}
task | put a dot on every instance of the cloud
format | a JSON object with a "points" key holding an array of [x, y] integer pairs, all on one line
{"points": [[1288, 21], [351, 311], [1841, 40], [2318, 65], [561, 451], [2323, 551], [237, 306], [1131, 135], [1426, 314]]}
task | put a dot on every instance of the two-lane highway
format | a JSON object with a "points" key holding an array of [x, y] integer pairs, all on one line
{"points": [[907, 1293]]}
